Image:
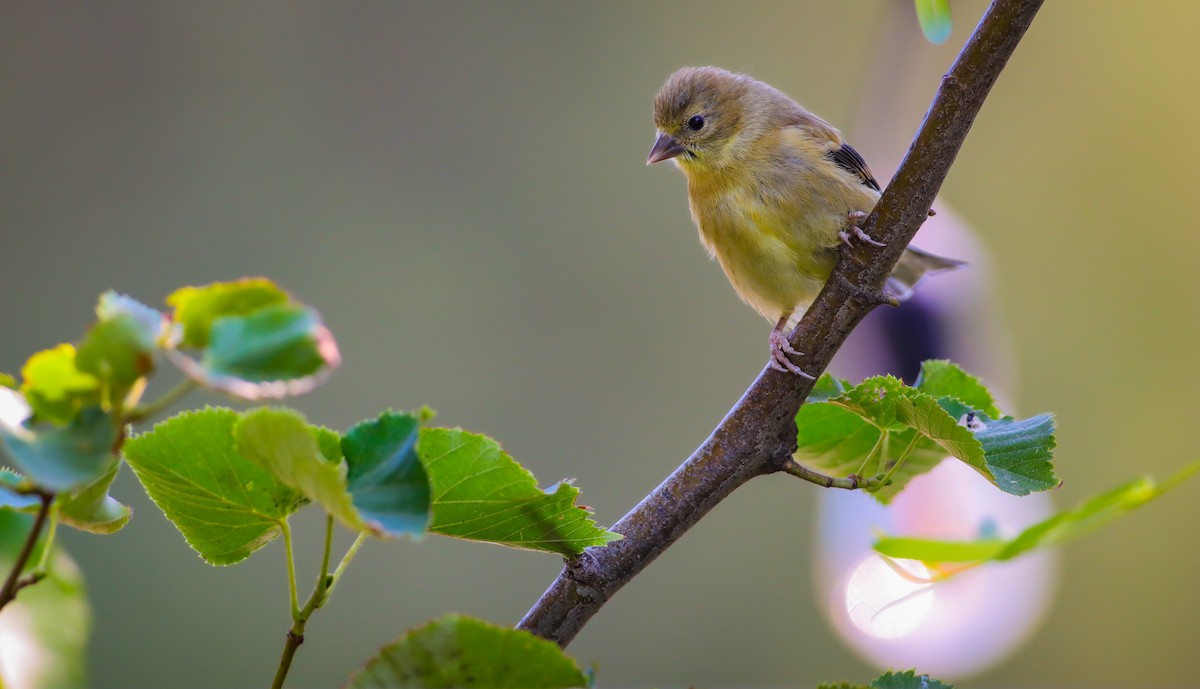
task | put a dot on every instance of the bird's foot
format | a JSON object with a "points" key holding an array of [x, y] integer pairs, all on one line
{"points": [[853, 230], [780, 349]]}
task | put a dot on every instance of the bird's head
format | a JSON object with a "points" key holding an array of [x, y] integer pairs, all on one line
{"points": [[701, 113]]}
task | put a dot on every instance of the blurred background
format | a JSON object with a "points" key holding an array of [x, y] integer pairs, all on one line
{"points": [[460, 188]]}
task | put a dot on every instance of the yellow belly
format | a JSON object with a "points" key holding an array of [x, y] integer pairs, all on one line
{"points": [[777, 256]]}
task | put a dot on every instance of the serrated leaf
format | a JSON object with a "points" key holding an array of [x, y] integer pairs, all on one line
{"points": [[934, 17], [481, 493], [886, 421], [282, 442], [90, 508], [276, 352], [875, 399], [1060, 528], [48, 624], [457, 652], [909, 679], [827, 387], [940, 378], [55, 388], [62, 459], [385, 475], [197, 307], [225, 505]]}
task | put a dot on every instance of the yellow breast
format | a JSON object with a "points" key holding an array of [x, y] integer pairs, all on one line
{"points": [[776, 250]]}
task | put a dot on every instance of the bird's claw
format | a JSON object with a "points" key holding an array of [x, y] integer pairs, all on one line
{"points": [[853, 230], [780, 349]]}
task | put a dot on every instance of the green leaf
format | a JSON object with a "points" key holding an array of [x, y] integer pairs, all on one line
{"points": [[276, 343], [1062, 527], [875, 399], [275, 352], [7, 381], [119, 349], [62, 459], [934, 16], [90, 507], [49, 622], [891, 432], [10, 496], [481, 493], [385, 475], [225, 505], [909, 679], [55, 388], [282, 442], [457, 652], [381, 488], [197, 307], [940, 378]]}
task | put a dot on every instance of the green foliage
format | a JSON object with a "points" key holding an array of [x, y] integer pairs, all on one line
{"points": [[272, 344], [119, 349], [49, 622], [55, 388], [225, 505], [934, 16], [480, 493], [387, 492], [90, 508], [63, 458], [1064, 526], [255, 342], [11, 496], [909, 679], [884, 430], [196, 308], [456, 651], [385, 475]]}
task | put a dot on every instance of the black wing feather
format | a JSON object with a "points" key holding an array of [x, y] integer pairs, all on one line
{"points": [[849, 159]]}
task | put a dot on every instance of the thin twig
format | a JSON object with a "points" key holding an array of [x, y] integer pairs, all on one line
{"points": [[758, 434], [14, 582], [852, 482], [156, 407]]}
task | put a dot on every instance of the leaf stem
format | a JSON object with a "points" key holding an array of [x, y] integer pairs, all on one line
{"points": [[144, 411], [862, 468], [291, 567], [341, 568], [51, 531], [320, 594], [852, 482], [14, 583], [900, 460]]}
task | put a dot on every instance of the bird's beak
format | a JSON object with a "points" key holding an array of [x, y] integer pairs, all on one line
{"points": [[665, 148]]}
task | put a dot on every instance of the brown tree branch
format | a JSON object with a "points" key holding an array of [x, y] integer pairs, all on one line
{"points": [[758, 434]]}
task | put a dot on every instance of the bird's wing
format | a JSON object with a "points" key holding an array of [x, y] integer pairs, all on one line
{"points": [[849, 159], [837, 150]]}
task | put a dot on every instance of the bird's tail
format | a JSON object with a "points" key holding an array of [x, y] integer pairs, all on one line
{"points": [[913, 266]]}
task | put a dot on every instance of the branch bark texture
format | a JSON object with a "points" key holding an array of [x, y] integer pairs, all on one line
{"points": [[758, 434]]}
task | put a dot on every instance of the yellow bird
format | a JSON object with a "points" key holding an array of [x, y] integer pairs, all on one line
{"points": [[773, 190]]}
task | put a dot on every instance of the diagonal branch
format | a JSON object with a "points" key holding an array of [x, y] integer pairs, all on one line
{"points": [[758, 434]]}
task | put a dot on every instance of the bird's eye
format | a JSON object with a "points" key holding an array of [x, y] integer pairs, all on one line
{"points": [[696, 123]]}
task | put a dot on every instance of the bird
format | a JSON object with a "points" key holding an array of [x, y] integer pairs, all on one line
{"points": [[774, 191]]}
